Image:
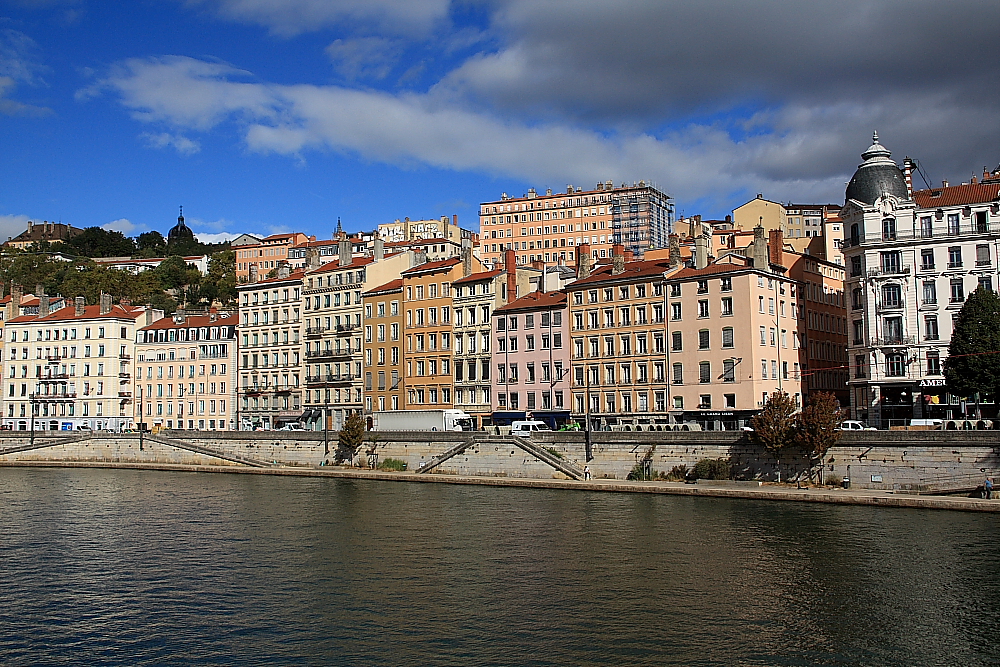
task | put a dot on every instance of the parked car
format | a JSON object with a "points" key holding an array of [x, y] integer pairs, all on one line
{"points": [[292, 427], [526, 428], [852, 425]]}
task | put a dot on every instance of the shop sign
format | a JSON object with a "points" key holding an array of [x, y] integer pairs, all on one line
{"points": [[937, 382]]}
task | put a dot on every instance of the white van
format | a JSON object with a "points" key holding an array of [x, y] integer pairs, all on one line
{"points": [[852, 425], [526, 428]]}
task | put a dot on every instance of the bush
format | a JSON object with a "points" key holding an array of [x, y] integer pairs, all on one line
{"points": [[554, 452], [393, 465], [677, 474], [712, 469], [638, 474]]}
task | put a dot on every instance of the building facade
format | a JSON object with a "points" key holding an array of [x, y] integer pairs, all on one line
{"points": [[270, 355], [270, 253], [912, 258], [186, 372], [384, 388]]}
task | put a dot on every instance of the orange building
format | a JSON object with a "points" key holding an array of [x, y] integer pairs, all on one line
{"points": [[271, 252], [384, 375], [551, 227]]}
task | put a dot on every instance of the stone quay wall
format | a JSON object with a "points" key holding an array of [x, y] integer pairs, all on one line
{"points": [[890, 460]]}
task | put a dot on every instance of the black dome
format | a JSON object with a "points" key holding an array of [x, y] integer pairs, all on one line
{"points": [[180, 231], [872, 181], [878, 175]]}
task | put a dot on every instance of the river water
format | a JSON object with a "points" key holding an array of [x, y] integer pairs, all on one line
{"points": [[121, 567]]}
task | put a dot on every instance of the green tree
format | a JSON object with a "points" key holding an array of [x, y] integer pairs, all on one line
{"points": [[817, 427], [351, 437], [151, 244], [97, 242], [174, 273], [774, 426], [220, 283], [973, 365]]}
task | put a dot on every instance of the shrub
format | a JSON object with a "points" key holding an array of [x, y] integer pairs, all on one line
{"points": [[392, 464], [712, 469], [638, 474], [554, 452], [677, 474]]}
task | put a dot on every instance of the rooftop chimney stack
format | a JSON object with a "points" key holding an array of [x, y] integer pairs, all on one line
{"points": [[344, 252], [466, 258], [312, 260], [617, 260], [776, 247], [213, 314], [510, 267], [759, 256], [378, 249], [81, 304], [675, 251], [16, 295], [541, 280], [283, 271], [149, 314], [700, 252], [908, 167], [583, 261], [105, 303], [43, 305], [254, 273]]}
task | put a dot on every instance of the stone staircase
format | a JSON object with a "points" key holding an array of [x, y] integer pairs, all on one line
{"points": [[41, 443], [445, 455], [564, 466], [219, 454]]}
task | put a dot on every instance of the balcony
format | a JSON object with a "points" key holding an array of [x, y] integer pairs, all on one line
{"points": [[126, 357], [894, 341], [254, 389], [51, 377], [44, 398], [330, 354], [345, 328], [53, 358], [124, 394], [889, 271], [984, 262], [316, 331], [937, 232], [954, 265]]}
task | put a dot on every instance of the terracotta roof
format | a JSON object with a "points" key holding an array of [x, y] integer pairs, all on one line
{"points": [[191, 321], [432, 266], [294, 275], [711, 269], [642, 268], [476, 277], [535, 301], [356, 262], [89, 313], [957, 195], [390, 286]]}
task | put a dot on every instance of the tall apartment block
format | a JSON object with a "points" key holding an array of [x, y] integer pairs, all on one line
{"points": [[550, 227]]}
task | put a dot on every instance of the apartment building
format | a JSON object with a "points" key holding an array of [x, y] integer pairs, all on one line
{"points": [[186, 372], [384, 388], [476, 297], [912, 258], [72, 368], [334, 312], [411, 230], [551, 227], [270, 253], [531, 358], [270, 355], [734, 337], [429, 329], [618, 348]]}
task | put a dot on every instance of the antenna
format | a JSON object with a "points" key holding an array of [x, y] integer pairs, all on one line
{"points": [[923, 174]]}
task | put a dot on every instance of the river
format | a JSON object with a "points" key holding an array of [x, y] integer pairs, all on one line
{"points": [[124, 567]]}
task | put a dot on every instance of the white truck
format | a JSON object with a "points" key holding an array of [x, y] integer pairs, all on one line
{"points": [[421, 420]]}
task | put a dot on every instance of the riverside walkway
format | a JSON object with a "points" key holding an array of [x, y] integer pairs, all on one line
{"points": [[827, 495]]}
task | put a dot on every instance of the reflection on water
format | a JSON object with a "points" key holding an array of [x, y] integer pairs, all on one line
{"points": [[117, 567]]}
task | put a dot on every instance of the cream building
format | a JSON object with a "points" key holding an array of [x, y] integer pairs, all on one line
{"points": [[186, 372], [72, 368]]}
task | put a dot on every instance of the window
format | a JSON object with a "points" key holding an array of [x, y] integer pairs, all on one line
{"points": [[892, 296], [726, 285], [957, 290], [889, 229], [703, 308], [675, 290], [953, 223], [927, 260], [855, 266], [931, 327], [857, 299], [895, 365], [675, 311], [955, 257], [861, 366], [730, 400], [891, 262], [859, 332], [704, 372], [893, 330], [702, 287], [982, 255], [930, 292], [729, 370], [705, 401], [933, 363], [678, 374], [926, 230], [728, 338], [986, 283], [727, 305]]}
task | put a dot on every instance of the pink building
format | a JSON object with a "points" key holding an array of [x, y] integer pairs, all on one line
{"points": [[531, 359]]}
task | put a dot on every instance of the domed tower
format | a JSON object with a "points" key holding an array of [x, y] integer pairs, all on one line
{"points": [[180, 232], [876, 176]]}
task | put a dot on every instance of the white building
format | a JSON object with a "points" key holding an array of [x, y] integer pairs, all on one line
{"points": [[912, 259]]}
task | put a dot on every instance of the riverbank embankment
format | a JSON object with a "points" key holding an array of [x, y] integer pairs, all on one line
{"points": [[867, 497]]}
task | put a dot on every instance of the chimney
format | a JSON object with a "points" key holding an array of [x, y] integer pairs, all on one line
{"points": [[344, 252], [419, 257], [16, 295], [283, 271], [454, 219], [776, 247], [700, 252], [466, 258], [510, 266], [105, 303], [180, 316], [629, 256], [617, 260], [378, 249], [39, 290], [43, 305], [254, 274], [759, 257], [30, 225], [583, 261], [541, 281], [213, 314], [312, 260], [81, 303], [908, 175], [675, 251], [149, 314], [944, 184]]}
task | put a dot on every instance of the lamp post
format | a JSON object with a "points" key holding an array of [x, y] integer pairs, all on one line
{"points": [[588, 446], [141, 422]]}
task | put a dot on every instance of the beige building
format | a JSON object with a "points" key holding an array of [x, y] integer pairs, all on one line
{"points": [[72, 368], [186, 372], [270, 355], [410, 230]]}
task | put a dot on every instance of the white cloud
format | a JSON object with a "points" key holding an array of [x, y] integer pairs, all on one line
{"points": [[178, 142], [366, 57], [12, 225], [123, 225], [291, 17], [19, 64], [215, 238]]}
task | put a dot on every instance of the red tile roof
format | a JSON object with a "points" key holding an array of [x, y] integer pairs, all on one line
{"points": [[535, 301], [294, 275], [192, 321], [89, 313], [957, 195], [390, 286], [711, 269], [642, 268], [475, 277], [356, 262]]}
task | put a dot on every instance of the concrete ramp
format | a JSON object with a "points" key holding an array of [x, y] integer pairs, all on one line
{"points": [[545, 456], [41, 443], [444, 456], [207, 451]]}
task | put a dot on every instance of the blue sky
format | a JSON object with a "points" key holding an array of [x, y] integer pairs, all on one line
{"points": [[274, 115]]}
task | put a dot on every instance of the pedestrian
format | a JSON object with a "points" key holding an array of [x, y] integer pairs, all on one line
{"points": [[586, 472], [988, 488]]}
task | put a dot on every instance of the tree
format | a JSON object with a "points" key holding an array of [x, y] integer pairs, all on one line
{"points": [[151, 244], [817, 427], [97, 242], [220, 284], [351, 436], [774, 426], [973, 364]]}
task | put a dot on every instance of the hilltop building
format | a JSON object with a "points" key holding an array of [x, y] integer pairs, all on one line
{"points": [[37, 232]]}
